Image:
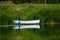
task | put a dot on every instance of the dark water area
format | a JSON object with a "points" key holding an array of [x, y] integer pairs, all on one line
{"points": [[46, 30], [5, 30]]}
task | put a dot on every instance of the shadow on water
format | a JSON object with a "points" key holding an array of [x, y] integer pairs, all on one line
{"points": [[50, 31], [5, 30]]}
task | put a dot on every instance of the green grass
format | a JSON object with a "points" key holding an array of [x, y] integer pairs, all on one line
{"points": [[47, 13]]}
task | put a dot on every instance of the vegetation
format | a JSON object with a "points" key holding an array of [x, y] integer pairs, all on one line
{"points": [[49, 14], [34, 1]]}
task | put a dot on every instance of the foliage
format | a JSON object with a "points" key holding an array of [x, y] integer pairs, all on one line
{"points": [[45, 12], [37, 1]]}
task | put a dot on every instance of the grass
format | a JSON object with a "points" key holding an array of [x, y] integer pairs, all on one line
{"points": [[44, 12]]}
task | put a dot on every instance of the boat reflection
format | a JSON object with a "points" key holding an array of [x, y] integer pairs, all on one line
{"points": [[26, 26]]}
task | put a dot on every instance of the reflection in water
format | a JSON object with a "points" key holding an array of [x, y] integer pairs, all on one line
{"points": [[26, 26], [6, 30]]}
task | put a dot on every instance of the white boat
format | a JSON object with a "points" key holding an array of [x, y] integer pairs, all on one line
{"points": [[27, 21], [27, 26]]}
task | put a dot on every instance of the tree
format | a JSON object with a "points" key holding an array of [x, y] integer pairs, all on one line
{"points": [[45, 1]]}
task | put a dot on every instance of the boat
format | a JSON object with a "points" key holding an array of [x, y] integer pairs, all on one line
{"points": [[26, 21]]}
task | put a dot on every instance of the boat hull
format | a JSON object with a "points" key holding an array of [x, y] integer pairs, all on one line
{"points": [[27, 21]]}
